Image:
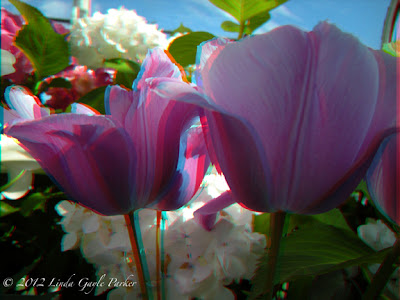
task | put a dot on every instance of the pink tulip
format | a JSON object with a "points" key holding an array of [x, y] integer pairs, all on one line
{"points": [[144, 153], [294, 118]]}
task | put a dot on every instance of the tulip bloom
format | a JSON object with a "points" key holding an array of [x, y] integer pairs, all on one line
{"points": [[143, 153], [383, 178], [294, 118]]}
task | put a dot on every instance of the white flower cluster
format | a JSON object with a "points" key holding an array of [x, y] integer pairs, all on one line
{"points": [[120, 33], [199, 263], [379, 236]]}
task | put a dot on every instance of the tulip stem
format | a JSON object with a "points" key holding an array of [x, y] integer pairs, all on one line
{"points": [[160, 263], [130, 223], [383, 274], [277, 223]]}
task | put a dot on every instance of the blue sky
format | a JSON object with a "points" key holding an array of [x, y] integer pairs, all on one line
{"points": [[363, 18]]}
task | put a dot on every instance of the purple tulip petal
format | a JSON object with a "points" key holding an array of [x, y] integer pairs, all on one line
{"points": [[79, 152], [206, 216], [156, 64], [204, 51], [192, 165], [307, 100], [383, 178]]}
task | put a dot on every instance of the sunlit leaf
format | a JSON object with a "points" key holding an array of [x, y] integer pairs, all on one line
{"points": [[47, 50], [243, 10], [127, 70], [95, 99], [184, 48]]}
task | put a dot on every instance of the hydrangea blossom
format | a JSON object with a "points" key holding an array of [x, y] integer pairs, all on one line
{"points": [[199, 262], [120, 33]]}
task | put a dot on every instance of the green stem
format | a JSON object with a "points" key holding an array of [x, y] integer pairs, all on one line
{"points": [[129, 219], [381, 277], [241, 30], [277, 223]]}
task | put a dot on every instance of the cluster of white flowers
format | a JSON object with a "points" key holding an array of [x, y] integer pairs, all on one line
{"points": [[378, 236], [120, 33], [199, 263]]}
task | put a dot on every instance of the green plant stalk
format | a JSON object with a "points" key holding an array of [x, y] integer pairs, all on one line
{"points": [[277, 223], [129, 219], [241, 30], [381, 277]]}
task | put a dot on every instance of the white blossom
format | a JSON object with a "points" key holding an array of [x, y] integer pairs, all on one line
{"points": [[120, 33]]}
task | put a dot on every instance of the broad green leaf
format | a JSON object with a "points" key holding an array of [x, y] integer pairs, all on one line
{"points": [[95, 99], [250, 25], [127, 70], [256, 21], [184, 48], [47, 50], [315, 250], [181, 29], [6, 209], [333, 217], [243, 10]]}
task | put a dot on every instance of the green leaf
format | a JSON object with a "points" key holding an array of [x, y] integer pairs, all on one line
{"points": [[47, 50], [127, 70], [250, 25], [243, 10], [333, 217], [315, 250], [7, 209], [33, 202], [181, 29], [184, 48], [95, 99], [230, 26], [256, 21]]}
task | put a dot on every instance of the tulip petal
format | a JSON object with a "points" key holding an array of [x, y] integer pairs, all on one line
{"points": [[383, 178], [80, 108], [192, 165], [156, 64], [299, 95], [78, 152], [206, 216], [204, 51], [24, 103], [154, 124]]}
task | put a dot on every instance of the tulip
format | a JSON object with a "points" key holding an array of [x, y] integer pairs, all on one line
{"points": [[143, 153], [294, 118], [383, 178]]}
